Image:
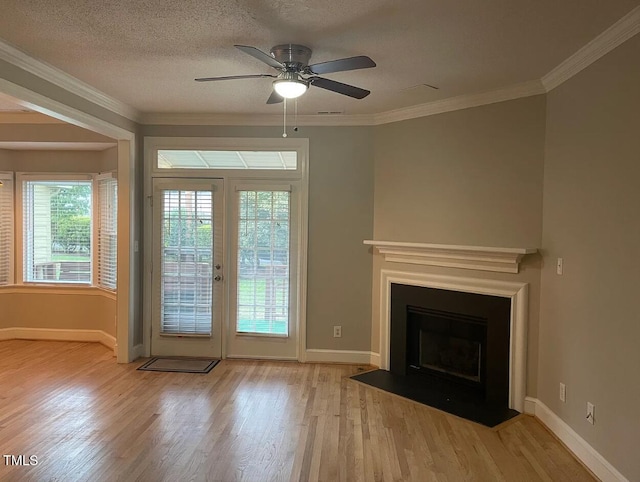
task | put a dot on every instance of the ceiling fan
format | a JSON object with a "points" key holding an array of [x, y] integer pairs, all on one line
{"points": [[296, 75]]}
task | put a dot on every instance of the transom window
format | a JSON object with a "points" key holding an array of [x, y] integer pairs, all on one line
{"points": [[207, 159]]}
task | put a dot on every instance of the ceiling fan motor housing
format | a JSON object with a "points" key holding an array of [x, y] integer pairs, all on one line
{"points": [[292, 55]]}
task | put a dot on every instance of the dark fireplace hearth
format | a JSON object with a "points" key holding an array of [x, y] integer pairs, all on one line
{"points": [[450, 350]]}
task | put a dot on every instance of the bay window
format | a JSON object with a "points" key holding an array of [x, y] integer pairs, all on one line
{"points": [[68, 229]]}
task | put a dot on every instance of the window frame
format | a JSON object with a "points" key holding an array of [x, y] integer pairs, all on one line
{"points": [[155, 144], [21, 178]]}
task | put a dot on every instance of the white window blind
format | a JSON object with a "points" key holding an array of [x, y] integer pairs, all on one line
{"points": [[107, 232], [187, 262], [57, 231], [6, 229]]}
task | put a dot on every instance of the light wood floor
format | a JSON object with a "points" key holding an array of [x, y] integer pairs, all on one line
{"points": [[87, 418]]}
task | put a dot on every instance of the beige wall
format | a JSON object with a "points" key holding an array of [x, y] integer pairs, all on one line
{"points": [[59, 310], [49, 133], [340, 218], [470, 177], [109, 159], [590, 327], [52, 161], [4, 159]]}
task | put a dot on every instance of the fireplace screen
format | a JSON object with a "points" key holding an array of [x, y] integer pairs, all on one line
{"points": [[447, 354], [446, 343]]}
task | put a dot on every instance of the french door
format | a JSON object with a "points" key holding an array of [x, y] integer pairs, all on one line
{"points": [[187, 270], [215, 298]]}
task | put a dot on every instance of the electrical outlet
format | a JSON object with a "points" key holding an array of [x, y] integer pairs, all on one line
{"points": [[337, 331], [591, 411], [563, 392]]}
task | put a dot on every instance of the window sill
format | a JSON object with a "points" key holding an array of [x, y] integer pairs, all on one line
{"points": [[58, 289]]}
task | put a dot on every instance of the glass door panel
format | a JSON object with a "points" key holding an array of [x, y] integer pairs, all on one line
{"points": [[263, 263], [187, 268]]}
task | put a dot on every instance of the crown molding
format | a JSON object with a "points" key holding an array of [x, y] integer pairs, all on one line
{"points": [[525, 89], [60, 78], [616, 35], [512, 92], [254, 119]]}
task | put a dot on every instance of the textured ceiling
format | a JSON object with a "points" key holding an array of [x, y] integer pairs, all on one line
{"points": [[146, 53]]}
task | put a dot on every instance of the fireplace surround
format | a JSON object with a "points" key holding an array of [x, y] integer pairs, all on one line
{"points": [[514, 293]]}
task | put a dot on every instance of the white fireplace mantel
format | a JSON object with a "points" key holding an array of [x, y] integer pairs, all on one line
{"points": [[503, 260]]}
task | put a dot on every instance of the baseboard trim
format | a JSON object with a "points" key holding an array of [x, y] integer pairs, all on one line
{"points": [[574, 442], [55, 334], [374, 360], [530, 405], [259, 357], [339, 356]]}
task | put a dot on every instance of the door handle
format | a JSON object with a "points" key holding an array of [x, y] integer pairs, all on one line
{"points": [[217, 277]]}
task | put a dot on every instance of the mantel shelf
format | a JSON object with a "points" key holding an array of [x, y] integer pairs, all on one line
{"points": [[502, 260]]}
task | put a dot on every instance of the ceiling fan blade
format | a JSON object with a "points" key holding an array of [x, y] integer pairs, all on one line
{"points": [[339, 87], [260, 55], [340, 65], [234, 77], [274, 98]]}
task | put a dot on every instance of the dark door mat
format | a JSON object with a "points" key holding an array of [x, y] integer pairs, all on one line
{"points": [[179, 365], [438, 394]]}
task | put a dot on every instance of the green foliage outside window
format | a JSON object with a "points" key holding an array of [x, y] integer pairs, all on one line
{"points": [[71, 219]]}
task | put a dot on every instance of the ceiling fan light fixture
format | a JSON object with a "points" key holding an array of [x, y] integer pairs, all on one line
{"points": [[290, 88], [292, 63]]}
